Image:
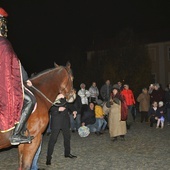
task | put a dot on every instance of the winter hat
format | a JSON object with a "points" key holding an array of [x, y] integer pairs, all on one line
{"points": [[99, 102], [161, 103]]}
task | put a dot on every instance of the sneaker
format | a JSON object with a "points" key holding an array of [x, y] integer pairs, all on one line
{"points": [[157, 127], [19, 139]]}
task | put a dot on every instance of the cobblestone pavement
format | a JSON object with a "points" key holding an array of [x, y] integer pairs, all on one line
{"points": [[144, 148]]}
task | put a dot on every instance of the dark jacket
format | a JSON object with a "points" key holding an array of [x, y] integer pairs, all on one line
{"points": [[153, 112], [77, 104], [161, 112], [89, 117], [105, 92], [157, 95], [60, 119], [167, 99]]}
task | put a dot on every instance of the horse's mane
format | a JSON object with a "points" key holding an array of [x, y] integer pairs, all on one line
{"points": [[45, 72], [56, 67]]}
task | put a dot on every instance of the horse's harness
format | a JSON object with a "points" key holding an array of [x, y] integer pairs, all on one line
{"points": [[67, 94]]}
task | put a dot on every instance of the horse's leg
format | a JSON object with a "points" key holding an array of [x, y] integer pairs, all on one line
{"points": [[4, 139], [20, 153], [27, 152]]}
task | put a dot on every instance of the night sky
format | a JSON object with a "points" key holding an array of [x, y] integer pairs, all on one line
{"points": [[43, 32]]}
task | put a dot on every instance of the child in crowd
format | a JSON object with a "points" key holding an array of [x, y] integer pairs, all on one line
{"points": [[153, 111], [160, 115]]}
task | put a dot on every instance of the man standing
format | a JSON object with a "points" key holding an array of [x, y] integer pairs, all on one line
{"points": [[60, 120], [105, 91]]}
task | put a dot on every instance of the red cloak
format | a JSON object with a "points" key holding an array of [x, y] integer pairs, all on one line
{"points": [[11, 93]]}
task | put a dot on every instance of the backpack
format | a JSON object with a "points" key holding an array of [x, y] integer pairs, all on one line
{"points": [[124, 111]]}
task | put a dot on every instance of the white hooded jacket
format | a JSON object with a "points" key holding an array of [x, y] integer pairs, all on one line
{"points": [[84, 94]]}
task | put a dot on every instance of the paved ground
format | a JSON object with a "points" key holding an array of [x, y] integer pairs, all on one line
{"points": [[144, 148]]}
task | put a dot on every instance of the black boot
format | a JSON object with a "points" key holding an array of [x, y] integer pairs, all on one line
{"points": [[48, 161], [17, 136]]}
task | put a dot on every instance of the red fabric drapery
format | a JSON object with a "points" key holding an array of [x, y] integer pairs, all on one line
{"points": [[11, 93]]}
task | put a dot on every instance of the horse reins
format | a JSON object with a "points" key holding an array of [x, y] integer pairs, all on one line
{"points": [[46, 96], [69, 79]]}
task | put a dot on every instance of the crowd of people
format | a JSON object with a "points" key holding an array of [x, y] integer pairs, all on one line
{"points": [[110, 107], [98, 108], [101, 109]]}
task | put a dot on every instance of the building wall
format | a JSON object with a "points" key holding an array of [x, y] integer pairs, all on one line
{"points": [[160, 60]]}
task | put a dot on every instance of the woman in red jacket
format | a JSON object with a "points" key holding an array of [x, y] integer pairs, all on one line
{"points": [[130, 101]]}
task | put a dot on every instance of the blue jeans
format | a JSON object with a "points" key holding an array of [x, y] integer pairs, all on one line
{"points": [[75, 123], [35, 160], [93, 127], [130, 118], [101, 124]]}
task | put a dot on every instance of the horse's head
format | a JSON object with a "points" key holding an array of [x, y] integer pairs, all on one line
{"points": [[67, 87]]}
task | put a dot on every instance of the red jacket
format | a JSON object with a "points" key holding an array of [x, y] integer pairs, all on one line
{"points": [[129, 97]]}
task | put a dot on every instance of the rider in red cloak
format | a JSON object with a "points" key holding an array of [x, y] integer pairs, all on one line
{"points": [[12, 90]]}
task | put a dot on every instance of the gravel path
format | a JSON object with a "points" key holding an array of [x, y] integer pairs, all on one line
{"points": [[144, 148]]}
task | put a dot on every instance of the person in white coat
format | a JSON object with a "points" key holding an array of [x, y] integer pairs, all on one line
{"points": [[84, 94], [94, 93]]}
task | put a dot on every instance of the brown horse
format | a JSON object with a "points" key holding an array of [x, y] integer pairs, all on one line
{"points": [[46, 86]]}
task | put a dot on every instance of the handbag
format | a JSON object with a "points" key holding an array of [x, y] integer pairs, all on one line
{"points": [[83, 131], [124, 111]]}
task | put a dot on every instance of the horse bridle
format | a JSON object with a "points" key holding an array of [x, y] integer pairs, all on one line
{"points": [[60, 90], [69, 79]]}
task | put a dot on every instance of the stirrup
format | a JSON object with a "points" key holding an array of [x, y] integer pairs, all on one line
{"points": [[30, 138], [19, 141]]}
